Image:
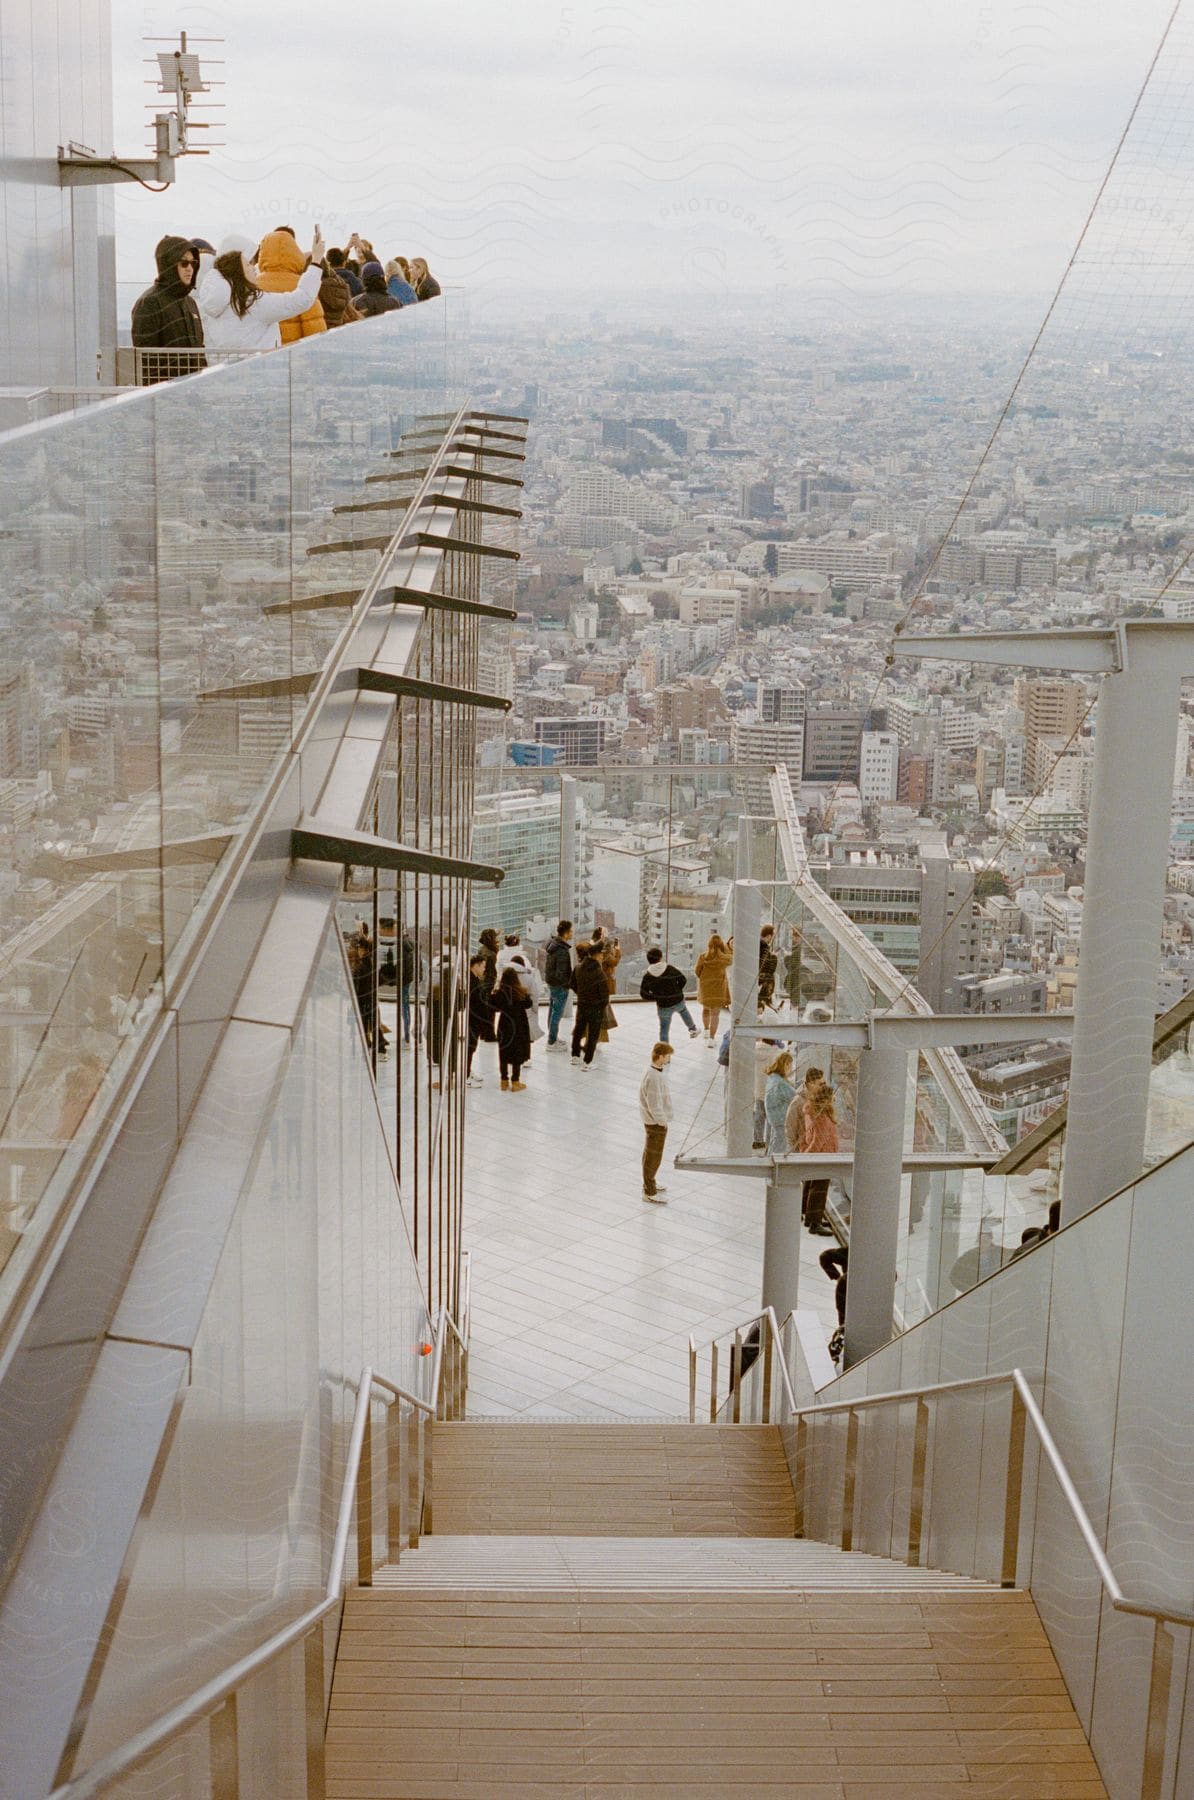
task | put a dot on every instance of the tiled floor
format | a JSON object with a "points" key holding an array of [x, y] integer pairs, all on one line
{"points": [[583, 1295]]}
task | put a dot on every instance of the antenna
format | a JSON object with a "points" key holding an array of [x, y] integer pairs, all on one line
{"points": [[180, 74]]}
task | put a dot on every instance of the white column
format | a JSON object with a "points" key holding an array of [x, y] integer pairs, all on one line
{"points": [[568, 852], [743, 864], [781, 1249], [1127, 853], [875, 1199], [744, 975]]}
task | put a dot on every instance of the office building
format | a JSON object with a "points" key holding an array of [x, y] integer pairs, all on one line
{"points": [[832, 736], [879, 767]]}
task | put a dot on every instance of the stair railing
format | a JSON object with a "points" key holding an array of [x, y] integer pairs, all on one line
{"points": [[407, 1451], [1025, 1411], [753, 1361]]}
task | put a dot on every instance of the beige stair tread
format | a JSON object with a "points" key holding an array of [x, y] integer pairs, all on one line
{"points": [[643, 1480], [489, 1562], [696, 1691]]}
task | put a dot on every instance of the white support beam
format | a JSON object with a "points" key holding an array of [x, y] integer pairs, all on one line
{"points": [[1091, 651], [744, 977], [915, 1031]]}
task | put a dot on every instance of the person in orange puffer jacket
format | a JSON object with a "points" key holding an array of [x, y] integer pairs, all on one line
{"points": [[280, 262]]}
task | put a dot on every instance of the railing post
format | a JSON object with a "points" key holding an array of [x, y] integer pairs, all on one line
{"points": [[428, 1435], [1015, 1491], [313, 1704], [394, 1479], [713, 1383], [800, 1475], [224, 1752], [414, 1470], [848, 1480], [365, 1506], [1157, 1729], [916, 1500], [768, 1348], [692, 1380], [736, 1379]]}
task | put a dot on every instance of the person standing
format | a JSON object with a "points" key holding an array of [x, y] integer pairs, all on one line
{"points": [[166, 316], [558, 970], [792, 972], [489, 950], [820, 1139], [407, 965], [713, 987], [665, 984], [655, 1110], [794, 1123], [480, 1016], [609, 951], [765, 1049], [768, 967], [777, 1097], [443, 1003], [511, 1010], [280, 267], [592, 998]]}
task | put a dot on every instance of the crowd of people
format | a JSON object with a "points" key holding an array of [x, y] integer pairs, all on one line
{"points": [[245, 295]]}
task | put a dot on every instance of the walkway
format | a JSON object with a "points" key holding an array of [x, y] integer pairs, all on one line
{"points": [[583, 1295]]}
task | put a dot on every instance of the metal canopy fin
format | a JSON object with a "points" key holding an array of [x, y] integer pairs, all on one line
{"points": [[275, 687], [315, 602], [381, 681], [372, 506], [471, 475], [430, 540], [474, 506], [499, 418], [509, 437], [322, 840], [401, 596], [180, 851], [401, 475], [372, 543]]}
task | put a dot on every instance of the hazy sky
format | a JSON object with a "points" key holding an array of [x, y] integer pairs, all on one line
{"points": [[872, 146]]}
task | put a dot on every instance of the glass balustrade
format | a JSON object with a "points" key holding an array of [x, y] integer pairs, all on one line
{"points": [[150, 550]]}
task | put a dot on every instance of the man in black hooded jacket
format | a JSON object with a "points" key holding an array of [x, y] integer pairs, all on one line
{"points": [[166, 317]]}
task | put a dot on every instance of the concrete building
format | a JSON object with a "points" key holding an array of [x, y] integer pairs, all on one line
{"points": [[879, 767], [832, 735]]}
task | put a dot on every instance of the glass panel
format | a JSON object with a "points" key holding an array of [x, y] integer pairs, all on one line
{"points": [[143, 542], [81, 925]]}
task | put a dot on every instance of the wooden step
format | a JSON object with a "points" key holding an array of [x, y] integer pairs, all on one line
{"points": [[642, 1480], [759, 1566], [587, 1695]]}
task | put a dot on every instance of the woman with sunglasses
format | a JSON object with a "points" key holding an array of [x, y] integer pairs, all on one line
{"points": [[166, 317]]}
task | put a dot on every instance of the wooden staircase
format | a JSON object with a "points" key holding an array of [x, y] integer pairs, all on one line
{"points": [[608, 1612]]}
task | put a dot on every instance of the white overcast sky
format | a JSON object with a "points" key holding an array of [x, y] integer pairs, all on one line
{"points": [[860, 148]]}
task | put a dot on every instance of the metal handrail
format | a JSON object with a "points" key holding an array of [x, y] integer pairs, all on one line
{"points": [[221, 1689], [207, 1699], [1018, 1381]]}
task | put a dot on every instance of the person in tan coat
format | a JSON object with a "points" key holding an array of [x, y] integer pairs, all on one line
{"points": [[280, 262], [713, 987]]}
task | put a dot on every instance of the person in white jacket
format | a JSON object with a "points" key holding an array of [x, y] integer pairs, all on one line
{"points": [[655, 1110], [237, 315]]}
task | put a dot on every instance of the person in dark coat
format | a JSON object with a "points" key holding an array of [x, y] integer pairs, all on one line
{"points": [[592, 998], [768, 968], [512, 1016], [480, 1015], [489, 949], [443, 1002], [422, 280], [338, 263], [166, 316], [665, 984], [335, 297], [376, 298], [557, 968]]}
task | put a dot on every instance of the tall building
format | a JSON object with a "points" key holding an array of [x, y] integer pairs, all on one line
{"points": [[781, 702], [879, 767], [832, 736], [532, 836], [756, 499], [1052, 707]]}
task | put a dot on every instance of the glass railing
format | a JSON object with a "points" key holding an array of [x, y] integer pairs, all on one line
{"points": [[972, 1223], [150, 549]]}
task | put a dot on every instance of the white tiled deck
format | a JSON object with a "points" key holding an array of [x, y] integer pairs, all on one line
{"points": [[583, 1295]]}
